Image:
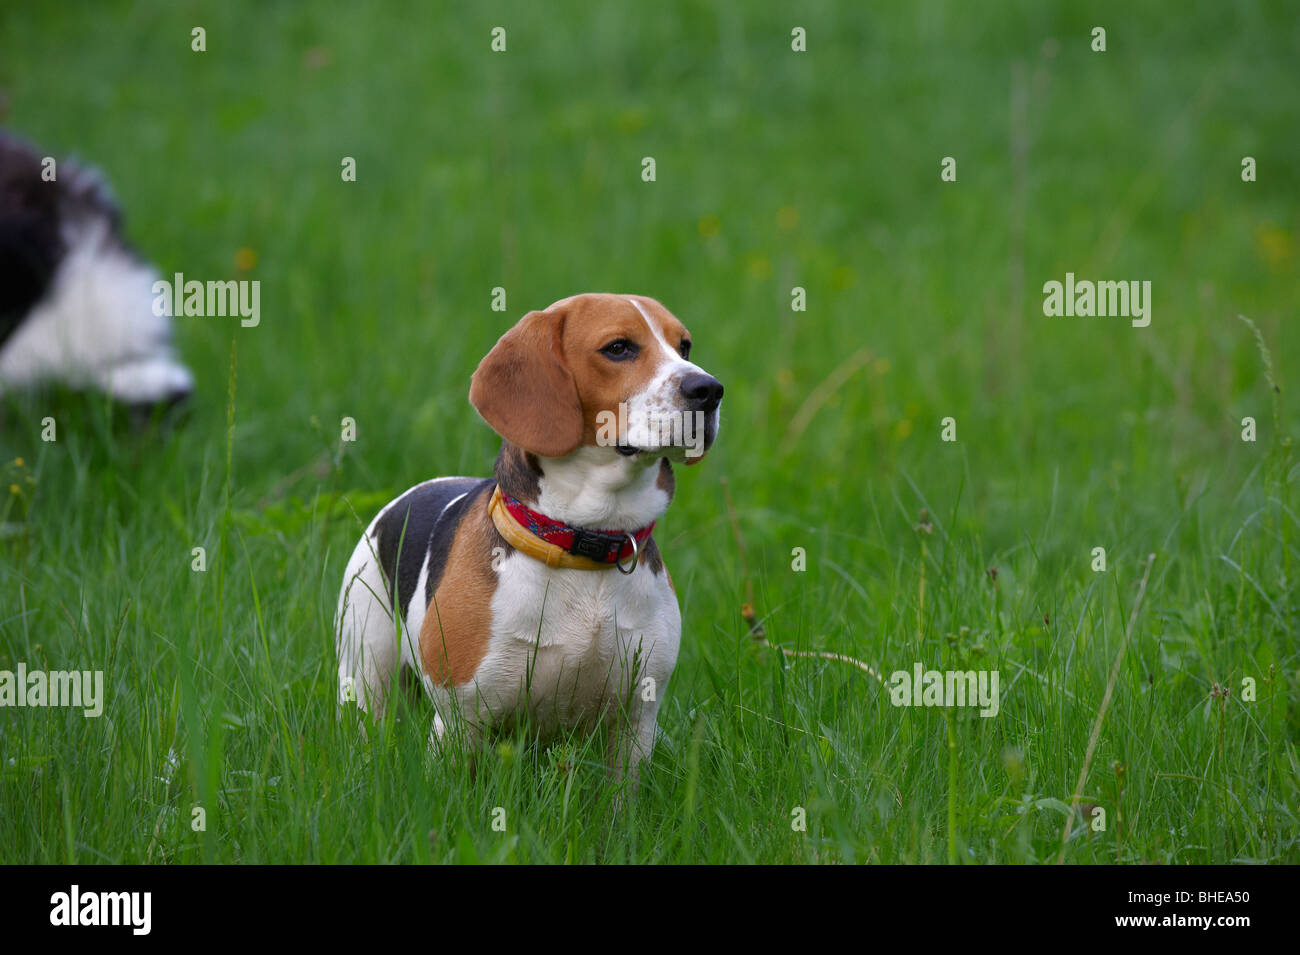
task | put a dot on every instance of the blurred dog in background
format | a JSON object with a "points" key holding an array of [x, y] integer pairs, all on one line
{"points": [[76, 301]]}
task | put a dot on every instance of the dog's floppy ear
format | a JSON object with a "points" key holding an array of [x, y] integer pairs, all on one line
{"points": [[524, 390]]}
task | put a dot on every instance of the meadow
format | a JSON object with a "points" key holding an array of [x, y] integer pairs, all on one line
{"points": [[1163, 689]]}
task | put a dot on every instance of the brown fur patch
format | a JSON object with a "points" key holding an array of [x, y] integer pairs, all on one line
{"points": [[591, 323], [666, 481], [523, 389], [519, 473], [458, 623], [652, 558]]}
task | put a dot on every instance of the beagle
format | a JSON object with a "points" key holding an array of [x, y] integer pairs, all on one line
{"points": [[541, 592]]}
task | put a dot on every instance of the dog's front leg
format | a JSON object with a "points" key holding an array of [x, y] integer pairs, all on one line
{"points": [[631, 739], [455, 734]]}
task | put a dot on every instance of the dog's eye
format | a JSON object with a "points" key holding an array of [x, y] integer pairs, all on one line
{"points": [[620, 350], [685, 348]]}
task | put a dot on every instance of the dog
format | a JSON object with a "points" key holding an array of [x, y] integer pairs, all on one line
{"points": [[76, 302], [540, 592]]}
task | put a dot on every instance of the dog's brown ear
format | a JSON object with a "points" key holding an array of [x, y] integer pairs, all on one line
{"points": [[524, 390]]}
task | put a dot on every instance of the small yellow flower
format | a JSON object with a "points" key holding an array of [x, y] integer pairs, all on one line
{"points": [[904, 428], [1273, 245], [710, 226], [18, 462], [245, 260], [15, 489], [881, 366], [760, 266], [631, 120]]}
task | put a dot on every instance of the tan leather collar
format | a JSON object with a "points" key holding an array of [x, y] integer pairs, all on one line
{"points": [[552, 555]]}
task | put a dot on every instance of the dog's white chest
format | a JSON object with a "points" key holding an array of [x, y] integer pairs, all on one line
{"points": [[568, 644]]}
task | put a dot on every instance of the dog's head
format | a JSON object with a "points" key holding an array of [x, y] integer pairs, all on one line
{"points": [[609, 371]]}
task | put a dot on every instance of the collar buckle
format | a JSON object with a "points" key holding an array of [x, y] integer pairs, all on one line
{"points": [[591, 544]]}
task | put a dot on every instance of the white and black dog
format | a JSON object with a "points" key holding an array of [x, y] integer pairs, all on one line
{"points": [[76, 302]]}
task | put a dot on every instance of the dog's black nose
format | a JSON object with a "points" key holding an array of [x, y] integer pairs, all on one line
{"points": [[702, 392]]}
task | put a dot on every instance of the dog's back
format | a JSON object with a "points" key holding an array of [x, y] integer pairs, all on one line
{"points": [[390, 582]]}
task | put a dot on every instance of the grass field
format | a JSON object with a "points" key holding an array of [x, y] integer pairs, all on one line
{"points": [[774, 169]]}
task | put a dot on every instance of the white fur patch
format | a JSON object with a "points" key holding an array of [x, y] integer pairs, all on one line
{"points": [[96, 328], [655, 415], [598, 488]]}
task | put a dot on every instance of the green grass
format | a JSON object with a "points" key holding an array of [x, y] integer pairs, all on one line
{"points": [[774, 170]]}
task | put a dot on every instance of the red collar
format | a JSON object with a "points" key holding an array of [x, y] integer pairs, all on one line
{"points": [[605, 547]]}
